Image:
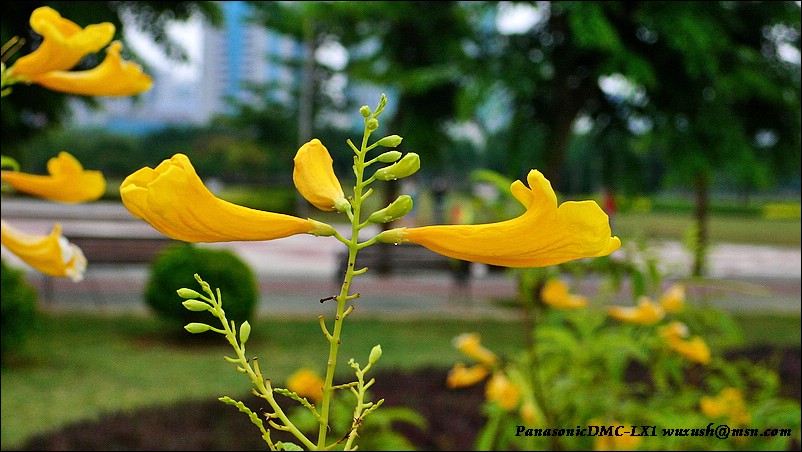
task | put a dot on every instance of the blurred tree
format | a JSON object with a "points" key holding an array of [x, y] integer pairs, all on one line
{"points": [[31, 109], [685, 89]]}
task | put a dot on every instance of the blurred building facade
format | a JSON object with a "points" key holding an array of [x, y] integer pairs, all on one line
{"points": [[234, 54]]}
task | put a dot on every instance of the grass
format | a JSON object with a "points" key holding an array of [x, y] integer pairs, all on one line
{"points": [[723, 228], [77, 367]]}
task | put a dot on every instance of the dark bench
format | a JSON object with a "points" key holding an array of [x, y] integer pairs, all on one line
{"points": [[120, 250], [384, 259]]}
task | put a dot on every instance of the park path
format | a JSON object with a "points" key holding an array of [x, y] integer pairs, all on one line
{"points": [[296, 272]]}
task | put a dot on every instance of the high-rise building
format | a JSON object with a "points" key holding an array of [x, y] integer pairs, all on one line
{"points": [[236, 54]]}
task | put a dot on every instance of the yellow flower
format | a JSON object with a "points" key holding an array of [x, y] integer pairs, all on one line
{"points": [[645, 313], [306, 383], [546, 234], [460, 376], [694, 349], [50, 254], [501, 390], [529, 412], [68, 181], [673, 299], [470, 344], [555, 294], [173, 199], [64, 44], [314, 177], [113, 77], [673, 331], [728, 403]]}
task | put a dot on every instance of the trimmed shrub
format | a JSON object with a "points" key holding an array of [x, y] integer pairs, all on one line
{"points": [[174, 268], [18, 309]]}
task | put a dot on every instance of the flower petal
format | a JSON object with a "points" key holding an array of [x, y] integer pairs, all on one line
{"points": [[50, 254], [64, 43], [173, 199], [460, 376], [546, 234], [113, 77], [314, 176], [68, 181], [645, 313], [555, 294]]}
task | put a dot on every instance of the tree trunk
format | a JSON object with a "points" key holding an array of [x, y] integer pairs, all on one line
{"points": [[701, 210]]}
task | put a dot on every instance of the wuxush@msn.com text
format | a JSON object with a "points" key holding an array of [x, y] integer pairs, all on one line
{"points": [[720, 431]]}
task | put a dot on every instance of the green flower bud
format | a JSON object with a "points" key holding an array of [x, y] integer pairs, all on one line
{"points": [[389, 157], [375, 354], [364, 111], [407, 166], [244, 332], [397, 209], [372, 124], [197, 328], [390, 141], [188, 293], [196, 305]]}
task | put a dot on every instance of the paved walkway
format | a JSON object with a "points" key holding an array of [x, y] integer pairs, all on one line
{"points": [[296, 272]]}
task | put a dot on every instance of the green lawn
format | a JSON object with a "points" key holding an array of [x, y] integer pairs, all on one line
{"points": [[723, 228], [78, 367]]}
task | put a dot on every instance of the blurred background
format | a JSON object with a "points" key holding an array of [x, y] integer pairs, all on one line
{"points": [[681, 118]]}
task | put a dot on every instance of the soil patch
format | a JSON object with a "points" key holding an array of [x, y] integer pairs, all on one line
{"points": [[454, 416]]}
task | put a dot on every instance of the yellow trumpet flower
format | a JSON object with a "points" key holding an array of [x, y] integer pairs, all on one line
{"points": [[460, 376], [173, 199], [555, 294], [546, 234], [67, 182], [64, 44], [470, 344], [645, 313], [729, 403], [50, 254], [113, 77], [306, 383], [314, 177], [695, 349], [501, 390], [673, 299]]}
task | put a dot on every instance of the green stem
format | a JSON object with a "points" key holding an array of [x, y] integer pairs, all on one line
{"points": [[262, 385], [344, 296]]}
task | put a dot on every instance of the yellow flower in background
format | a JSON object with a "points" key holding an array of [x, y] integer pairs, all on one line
{"points": [[673, 331], [546, 234], [64, 44], [113, 77], [695, 349], [50, 254], [555, 294], [645, 313], [529, 412], [501, 390], [673, 299], [306, 383], [461, 376], [173, 199], [729, 404], [470, 344], [314, 177], [67, 182]]}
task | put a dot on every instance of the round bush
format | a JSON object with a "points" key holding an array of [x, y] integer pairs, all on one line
{"points": [[174, 268], [18, 309]]}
